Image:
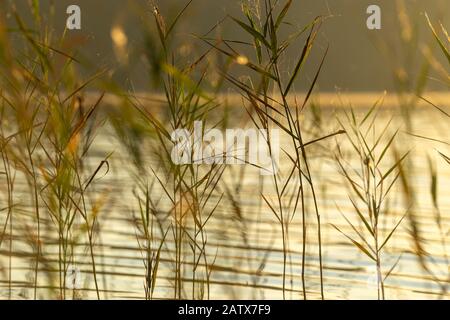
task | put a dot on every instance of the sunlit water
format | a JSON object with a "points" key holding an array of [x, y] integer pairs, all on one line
{"points": [[244, 251]]}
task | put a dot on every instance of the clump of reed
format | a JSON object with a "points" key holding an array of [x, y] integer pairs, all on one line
{"points": [[270, 101], [188, 194], [411, 72], [46, 133], [370, 182], [442, 40], [49, 127]]}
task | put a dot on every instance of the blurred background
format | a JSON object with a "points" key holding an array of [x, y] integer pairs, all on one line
{"points": [[359, 59]]}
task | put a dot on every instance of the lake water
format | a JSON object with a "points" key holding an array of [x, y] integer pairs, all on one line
{"points": [[244, 246]]}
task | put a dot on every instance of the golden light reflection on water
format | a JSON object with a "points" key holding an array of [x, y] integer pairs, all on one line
{"points": [[252, 242]]}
